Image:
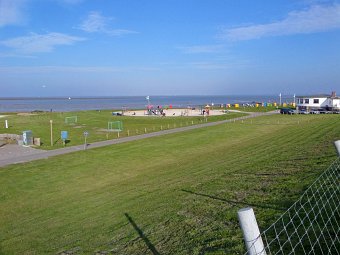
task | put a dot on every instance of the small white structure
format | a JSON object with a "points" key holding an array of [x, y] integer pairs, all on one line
{"points": [[316, 102]]}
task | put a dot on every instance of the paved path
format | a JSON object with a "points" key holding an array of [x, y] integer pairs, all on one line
{"points": [[13, 154]]}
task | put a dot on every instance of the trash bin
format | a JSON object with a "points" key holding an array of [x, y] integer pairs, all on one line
{"points": [[27, 137]]}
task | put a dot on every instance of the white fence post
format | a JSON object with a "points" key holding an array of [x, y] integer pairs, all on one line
{"points": [[337, 146], [251, 232]]}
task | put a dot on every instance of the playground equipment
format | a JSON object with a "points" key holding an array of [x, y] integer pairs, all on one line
{"points": [[159, 111]]}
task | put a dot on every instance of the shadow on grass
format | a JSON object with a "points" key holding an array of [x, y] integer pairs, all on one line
{"points": [[265, 206], [141, 234]]}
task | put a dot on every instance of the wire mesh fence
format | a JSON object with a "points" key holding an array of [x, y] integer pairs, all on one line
{"points": [[311, 225]]}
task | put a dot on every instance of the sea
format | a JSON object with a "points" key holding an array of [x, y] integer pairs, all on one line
{"points": [[66, 104]]}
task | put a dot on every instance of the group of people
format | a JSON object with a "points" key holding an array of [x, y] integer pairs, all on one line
{"points": [[205, 112]]}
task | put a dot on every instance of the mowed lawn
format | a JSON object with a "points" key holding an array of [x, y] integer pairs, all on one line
{"points": [[174, 194], [96, 124]]}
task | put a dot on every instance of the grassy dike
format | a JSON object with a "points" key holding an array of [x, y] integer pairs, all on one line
{"points": [[175, 194]]}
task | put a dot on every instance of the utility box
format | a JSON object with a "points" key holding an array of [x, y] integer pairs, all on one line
{"points": [[27, 137]]}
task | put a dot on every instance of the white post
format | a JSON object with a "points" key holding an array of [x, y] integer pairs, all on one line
{"points": [[6, 123], [51, 127], [337, 146], [251, 232]]}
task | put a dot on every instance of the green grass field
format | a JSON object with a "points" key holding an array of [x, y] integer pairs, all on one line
{"points": [[174, 194], [96, 124], [253, 109]]}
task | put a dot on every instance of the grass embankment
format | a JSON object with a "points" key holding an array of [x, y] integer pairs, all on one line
{"points": [[253, 109], [96, 124], [176, 194]]}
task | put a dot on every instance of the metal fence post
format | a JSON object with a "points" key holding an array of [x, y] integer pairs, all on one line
{"points": [[251, 232]]}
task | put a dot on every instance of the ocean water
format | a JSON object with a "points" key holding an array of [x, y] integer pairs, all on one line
{"points": [[129, 102]]}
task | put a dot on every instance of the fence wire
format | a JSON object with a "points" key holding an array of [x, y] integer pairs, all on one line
{"points": [[311, 224]]}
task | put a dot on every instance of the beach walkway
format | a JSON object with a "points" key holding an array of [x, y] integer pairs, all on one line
{"points": [[14, 154]]}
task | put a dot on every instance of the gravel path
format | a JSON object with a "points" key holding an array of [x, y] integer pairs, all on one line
{"points": [[13, 154]]}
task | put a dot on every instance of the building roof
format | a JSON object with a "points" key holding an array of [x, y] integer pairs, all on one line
{"points": [[319, 96]]}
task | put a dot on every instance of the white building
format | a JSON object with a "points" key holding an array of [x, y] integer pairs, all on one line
{"points": [[325, 102]]}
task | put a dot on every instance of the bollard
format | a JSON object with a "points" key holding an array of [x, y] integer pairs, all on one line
{"points": [[337, 146], [6, 123], [251, 232], [51, 128]]}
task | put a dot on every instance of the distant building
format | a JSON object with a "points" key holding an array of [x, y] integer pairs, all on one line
{"points": [[316, 102]]}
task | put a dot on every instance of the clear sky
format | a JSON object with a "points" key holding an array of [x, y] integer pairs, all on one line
{"points": [[168, 47]]}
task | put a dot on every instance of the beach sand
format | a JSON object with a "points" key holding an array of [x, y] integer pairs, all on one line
{"points": [[174, 113]]}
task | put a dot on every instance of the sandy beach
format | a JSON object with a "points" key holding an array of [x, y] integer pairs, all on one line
{"points": [[174, 113]]}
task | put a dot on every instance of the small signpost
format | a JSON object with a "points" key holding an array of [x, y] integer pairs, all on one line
{"points": [[85, 136]]}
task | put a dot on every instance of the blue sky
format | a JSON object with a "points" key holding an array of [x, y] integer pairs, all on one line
{"points": [[168, 47]]}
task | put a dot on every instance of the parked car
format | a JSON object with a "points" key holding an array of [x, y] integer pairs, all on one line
{"points": [[303, 111], [314, 112], [287, 111]]}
